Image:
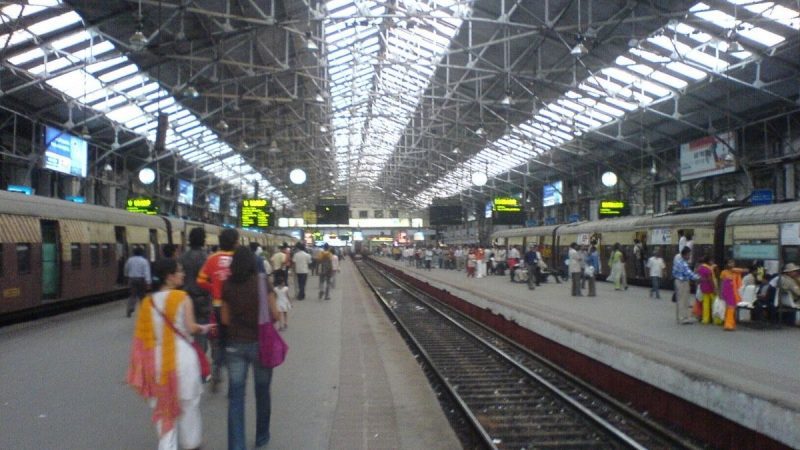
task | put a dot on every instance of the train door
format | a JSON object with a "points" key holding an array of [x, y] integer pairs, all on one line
{"points": [[51, 271], [154, 249], [121, 249]]}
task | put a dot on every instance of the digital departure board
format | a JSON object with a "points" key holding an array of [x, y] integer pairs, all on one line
{"points": [[255, 213], [507, 204], [142, 205], [613, 208], [507, 211]]}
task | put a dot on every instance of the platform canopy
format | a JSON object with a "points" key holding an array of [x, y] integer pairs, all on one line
{"points": [[399, 102]]}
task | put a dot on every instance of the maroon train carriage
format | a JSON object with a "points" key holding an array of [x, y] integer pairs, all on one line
{"points": [[53, 250]]}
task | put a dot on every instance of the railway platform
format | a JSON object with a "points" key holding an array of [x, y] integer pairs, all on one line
{"points": [[349, 382], [749, 376]]}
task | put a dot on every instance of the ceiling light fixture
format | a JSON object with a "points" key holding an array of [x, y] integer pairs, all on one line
{"points": [[273, 147], [310, 44], [456, 150], [609, 179], [579, 50], [323, 128], [480, 131], [138, 40], [319, 98], [222, 125], [479, 178], [147, 175], [734, 47], [190, 91], [297, 176], [507, 100]]}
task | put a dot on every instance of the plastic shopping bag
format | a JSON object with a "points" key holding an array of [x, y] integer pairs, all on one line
{"points": [[718, 309]]}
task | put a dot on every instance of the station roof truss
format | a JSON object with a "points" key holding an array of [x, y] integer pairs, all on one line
{"points": [[398, 103]]}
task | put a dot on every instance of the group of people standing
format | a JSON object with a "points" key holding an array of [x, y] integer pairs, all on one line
{"points": [[197, 296]]}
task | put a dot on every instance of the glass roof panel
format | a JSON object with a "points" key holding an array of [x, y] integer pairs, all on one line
{"points": [[102, 94], [388, 89], [670, 62]]}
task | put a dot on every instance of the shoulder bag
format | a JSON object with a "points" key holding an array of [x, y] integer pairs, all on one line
{"points": [[272, 349], [205, 366]]}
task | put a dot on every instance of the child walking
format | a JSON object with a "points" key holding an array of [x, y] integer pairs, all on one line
{"points": [[284, 305]]}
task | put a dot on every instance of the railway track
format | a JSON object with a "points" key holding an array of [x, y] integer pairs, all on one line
{"points": [[512, 398]]}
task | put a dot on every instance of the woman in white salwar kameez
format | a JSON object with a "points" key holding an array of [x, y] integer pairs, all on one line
{"points": [[164, 366]]}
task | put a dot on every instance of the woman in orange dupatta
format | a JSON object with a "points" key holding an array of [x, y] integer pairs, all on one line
{"points": [[730, 284], [164, 367]]}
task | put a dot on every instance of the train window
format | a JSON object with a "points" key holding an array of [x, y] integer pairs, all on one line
{"points": [[94, 255], [75, 254], [106, 253], [791, 253], [23, 258]]}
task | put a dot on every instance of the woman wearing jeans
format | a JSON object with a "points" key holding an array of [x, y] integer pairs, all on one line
{"points": [[240, 315]]}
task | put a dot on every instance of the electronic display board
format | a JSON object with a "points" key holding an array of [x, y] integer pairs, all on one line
{"points": [[552, 194], [333, 214], [213, 202], [506, 204], [142, 205], [613, 208], [507, 211], [185, 192], [255, 213], [445, 215], [64, 152]]}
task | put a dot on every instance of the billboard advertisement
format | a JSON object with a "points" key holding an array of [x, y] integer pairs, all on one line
{"points": [[185, 192], [708, 156], [64, 152], [213, 202], [552, 194]]}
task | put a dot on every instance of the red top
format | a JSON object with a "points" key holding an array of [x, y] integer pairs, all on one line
{"points": [[214, 273]]}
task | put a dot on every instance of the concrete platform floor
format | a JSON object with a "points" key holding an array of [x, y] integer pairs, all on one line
{"points": [[349, 382], [751, 376]]}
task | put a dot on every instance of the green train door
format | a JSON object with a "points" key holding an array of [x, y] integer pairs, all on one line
{"points": [[51, 273]]}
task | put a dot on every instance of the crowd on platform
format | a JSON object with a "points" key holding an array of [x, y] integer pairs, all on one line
{"points": [[229, 302], [718, 292]]}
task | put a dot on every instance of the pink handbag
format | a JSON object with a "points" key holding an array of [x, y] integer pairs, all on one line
{"points": [[272, 349]]}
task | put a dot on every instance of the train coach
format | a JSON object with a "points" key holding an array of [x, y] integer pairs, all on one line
{"points": [[770, 233], [53, 250]]}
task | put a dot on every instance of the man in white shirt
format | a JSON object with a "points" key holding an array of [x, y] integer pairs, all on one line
{"points": [[656, 266], [137, 271], [575, 262], [302, 262], [334, 267]]}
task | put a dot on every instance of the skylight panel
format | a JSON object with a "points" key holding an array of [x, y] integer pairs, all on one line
{"points": [[119, 73], [773, 11], [102, 65], [689, 71], [106, 92], [17, 11]]}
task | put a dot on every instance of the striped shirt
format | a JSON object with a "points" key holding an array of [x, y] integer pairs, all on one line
{"points": [[681, 270]]}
